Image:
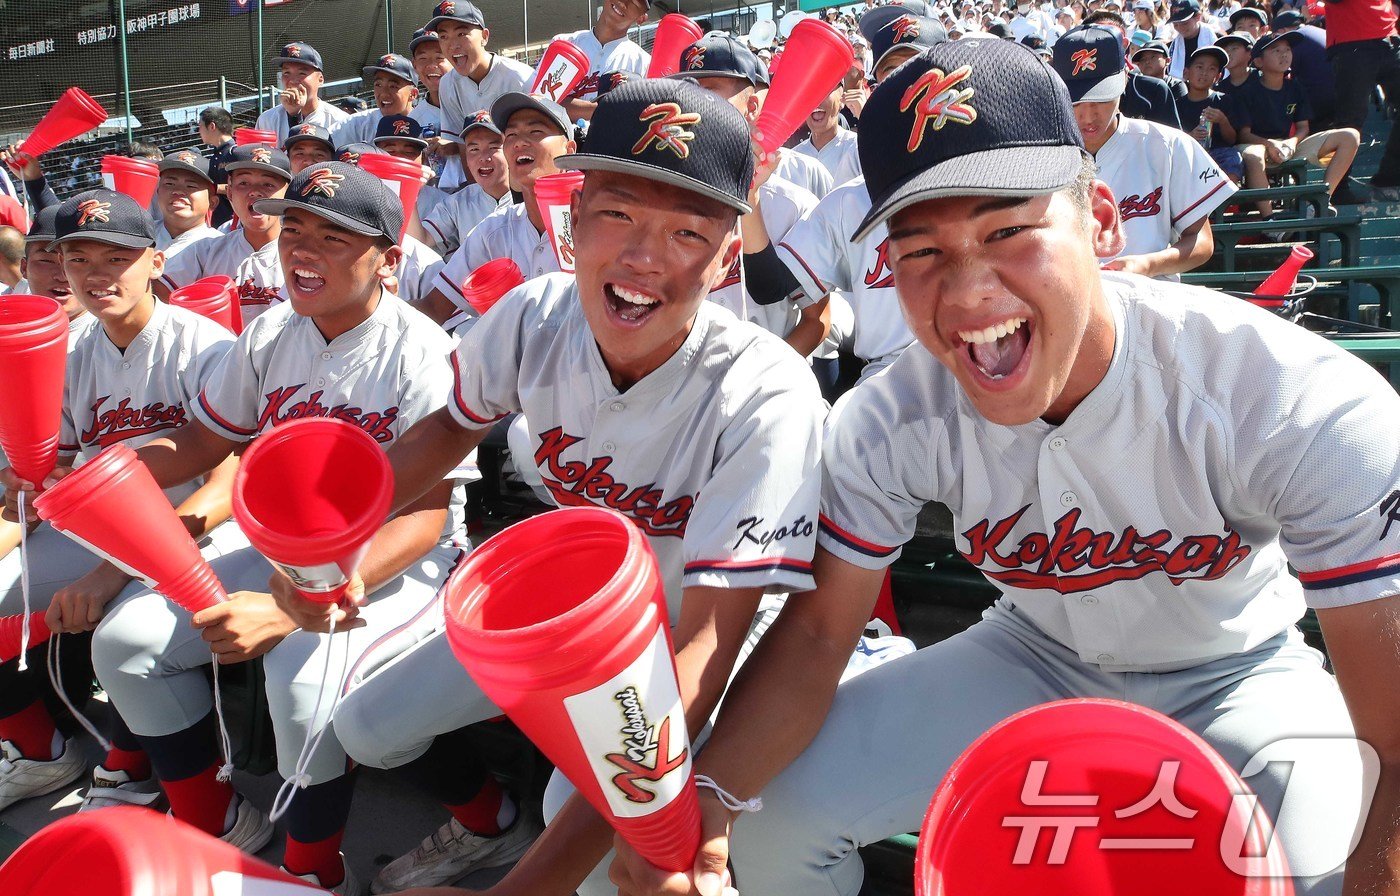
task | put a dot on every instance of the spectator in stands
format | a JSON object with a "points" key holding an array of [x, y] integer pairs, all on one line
{"points": [[1249, 20], [478, 77], [1365, 52], [608, 49], [1212, 116], [1145, 97], [489, 189], [1238, 72], [216, 132], [1191, 34], [829, 142], [11, 257], [1152, 59], [1277, 120], [1310, 66], [1145, 17], [306, 145], [395, 87], [183, 196], [301, 77]]}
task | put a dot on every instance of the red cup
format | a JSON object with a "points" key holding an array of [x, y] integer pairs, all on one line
{"points": [[136, 178], [12, 630], [129, 851], [213, 297], [826, 57], [1115, 753], [561, 620], [403, 178], [310, 495], [1280, 283], [560, 70], [674, 33], [75, 113], [487, 284], [554, 195], [242, 136], [773, 65], [112, 506], [33, 354]]}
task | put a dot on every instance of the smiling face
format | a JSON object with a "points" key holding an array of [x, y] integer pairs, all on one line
{"points": [[245, 187], [616, 16], [44, 271], [531, 141], [305, 153], [392, 94], [464, 46], [112, 282], [299, 74], [183, 199], [430, 64], [485, 160], [1005, 293], [332, 274], [646, 255]]}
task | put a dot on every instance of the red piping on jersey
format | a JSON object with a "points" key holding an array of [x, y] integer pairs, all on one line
{"points": [[787, 564], [1349, 575], [457, 396], [204, 403], [435, 230], [852, 541], [810, 273], [1188, 208]]}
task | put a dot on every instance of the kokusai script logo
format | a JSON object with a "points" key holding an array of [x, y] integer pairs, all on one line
{"points": [[1136, 206], [645, 755], [115, 424], [280, 408], [577, 482]]}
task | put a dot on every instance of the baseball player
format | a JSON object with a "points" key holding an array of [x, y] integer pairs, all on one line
{"points": [[1143, 97], [300, 76], [536, 132], [829, 143], [1165, 182], [483, 156], [395, 88], [307, 145], [402, 137], [249, 253], [431, 66], [184, 195], [478, 77], [700, 427], [134, 372], [340, 347], [609, 49], [1133, 463]]}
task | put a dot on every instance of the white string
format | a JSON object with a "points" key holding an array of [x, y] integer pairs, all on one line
{"points": [[23, 584], [727, 799], [225, 772], [300, 780], [54, 664]]}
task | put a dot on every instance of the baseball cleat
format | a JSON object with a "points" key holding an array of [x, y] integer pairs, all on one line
{"points": [[452, 851], [115, 788], [22, 778], [250, 830]]}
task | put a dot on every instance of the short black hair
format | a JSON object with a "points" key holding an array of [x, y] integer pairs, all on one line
{"points": [[1103, 17], [139, 149], [218, 118]]}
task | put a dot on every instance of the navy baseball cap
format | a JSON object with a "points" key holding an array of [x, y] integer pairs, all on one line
{"points": [[41, 228], [675, 132], [1247, 12], [1221, 57], [720, 55], [456, 11], [1181, 10], [510, 103], [612, 80], [259, 157], [902, 30], [480, 119], [1238, 36], [1264, 43], [1289, 18], [983, 117], [304, 132], [350, 153], [106, 216], [391, 64], [351, 104], [1153, 46], [188, 161], [298, 51], [399, 127], [420, 37], [346, 196], [1089, 59]]}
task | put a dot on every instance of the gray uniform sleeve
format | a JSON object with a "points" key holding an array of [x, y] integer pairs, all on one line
{"points": [[812, 252], [486, 363], [228, 400]]}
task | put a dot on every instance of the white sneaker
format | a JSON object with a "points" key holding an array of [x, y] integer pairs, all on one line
{"points": [[115, 788], [452, 851], [251, 830], [22, 778], [347, 887]]}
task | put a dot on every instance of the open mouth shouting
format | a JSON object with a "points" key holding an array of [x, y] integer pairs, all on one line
{"points": [[1000, 353], [306, 281], [630, 307], [484, 171]]}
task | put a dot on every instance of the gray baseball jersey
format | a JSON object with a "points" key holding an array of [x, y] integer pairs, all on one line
{"points": [[459, 214], [358, 127], [418, 269], [782, 204], [257, 273], [1152, 530], [275, 119], [839, 156], [506, 233], [819, 252], [384, 375], [174, 245], [621, 55], [713, 455], [460, 96], [805, 171]]}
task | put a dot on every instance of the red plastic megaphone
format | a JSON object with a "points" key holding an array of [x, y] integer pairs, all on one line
{"points": [[674, 33], [33, 354], [403, 178], [213, 297], [75, 113], [487, 284], [137, 178], [310, 494], [242, 136], [561, 620], [129, 851], [1274, 291], [12, 629], [1074, 766], [112, 506], [560, 70], [797, 89], [554, 195]]}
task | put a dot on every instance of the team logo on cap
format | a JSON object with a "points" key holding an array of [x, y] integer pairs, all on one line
{"points": [[668, 128], [349, 157], [386, 60], [261, 154], [186, 157], [306, 129], [94, 210], [447, 8], [943, 101], [477, 118], [322, 181], [291, 50], [693, 59], [905, 28], [1085, 60], [401, 127]]}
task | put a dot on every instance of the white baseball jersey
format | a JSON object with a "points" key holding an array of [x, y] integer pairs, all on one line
{"points": [[146, 391], [417, 270], [621, 55], [459, 214], [429, 198], [275, 119], [357, 128], [384, 376], [1153, 529], [506, 233], [782, 204], [839, 157], [819, 252], [461, 97], [1164, 182], [804, 171], [258, 273], [174, 245], [713, 455]]}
